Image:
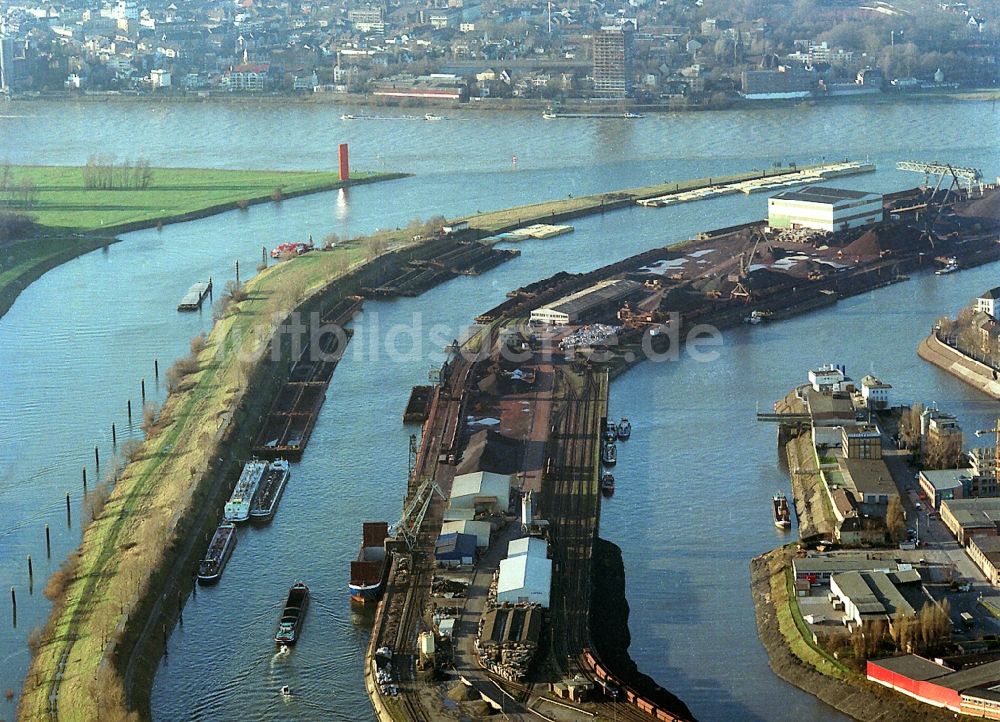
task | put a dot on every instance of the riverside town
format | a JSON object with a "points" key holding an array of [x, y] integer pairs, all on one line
{"points": [[406, 362]]}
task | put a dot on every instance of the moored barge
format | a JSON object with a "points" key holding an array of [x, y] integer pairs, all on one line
{"points": [[782, 514], [371, 569], [238, 507], [219, 551], [271, 488]]}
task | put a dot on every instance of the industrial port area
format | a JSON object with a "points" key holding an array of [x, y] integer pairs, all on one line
{"points": [[485, 591]]}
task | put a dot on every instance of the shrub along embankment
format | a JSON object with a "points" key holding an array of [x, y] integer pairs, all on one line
{"points": [[119, 594]]}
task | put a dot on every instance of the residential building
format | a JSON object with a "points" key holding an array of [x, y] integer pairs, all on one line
{"points": [[875, 392], [159, 79], [936, 425], [828, 378], [613, 51], [983, 461], [989, 302], [824, 208], [246, 77]]}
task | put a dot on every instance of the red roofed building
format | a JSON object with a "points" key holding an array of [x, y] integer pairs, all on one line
{"points": [[246, 77]]}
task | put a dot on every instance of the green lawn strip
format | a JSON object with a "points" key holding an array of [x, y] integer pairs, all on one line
{"points": [[796, 631]]}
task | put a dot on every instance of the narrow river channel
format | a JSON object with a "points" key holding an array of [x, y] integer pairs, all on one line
{"points": [[694, 480]]}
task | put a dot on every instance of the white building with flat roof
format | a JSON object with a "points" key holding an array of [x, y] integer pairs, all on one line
{"points": [[823, 208], [479, 529], [481, 490], [526, 578]]}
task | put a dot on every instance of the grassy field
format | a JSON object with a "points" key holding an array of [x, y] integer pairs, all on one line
{"points": [[63, 204], [73, 220], [129, 541]]}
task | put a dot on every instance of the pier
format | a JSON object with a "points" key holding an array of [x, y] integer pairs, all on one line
{"points": [[195, 296]]}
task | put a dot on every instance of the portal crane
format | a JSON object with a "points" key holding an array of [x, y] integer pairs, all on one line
{"points": [[409, 524], [742, 289]]}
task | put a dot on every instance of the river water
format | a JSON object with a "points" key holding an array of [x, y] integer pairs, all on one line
{"points": [[692, 505]]}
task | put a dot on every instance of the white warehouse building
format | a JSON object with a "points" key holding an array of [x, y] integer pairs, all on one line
{"points": [[823, 208], [526, 574]]}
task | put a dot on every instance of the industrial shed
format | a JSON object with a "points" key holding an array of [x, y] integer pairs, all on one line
{"points": [[455, 548], [525, 579], [569, 309], [823, 208], [481, 491], [479, 529]]}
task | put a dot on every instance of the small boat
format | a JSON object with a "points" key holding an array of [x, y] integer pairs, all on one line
{"points": [[219, 550], [757, 317], [782, 514], [624, 429], [608, 483], [431, 116], [269, 494], [631, 115], [347, 116], [238, 506], [293, 614], [609, 454], [371, 569], [950, 268], [285, 691], [610, 432], [549, 115]]}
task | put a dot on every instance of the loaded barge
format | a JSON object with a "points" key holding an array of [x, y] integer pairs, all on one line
{"points": [[195, 296], [238, 507], [292, 416], [290, 623], [271, 488], [371, 569], [219, 551]]}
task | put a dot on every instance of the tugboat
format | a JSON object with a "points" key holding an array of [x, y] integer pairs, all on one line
{"points": [[238, 506], [292, 615], [219, 550], [371, 569], [624, 429], [950, 267], [610, 432], [782, 515], [271, 488], [609, 454], [608, 483]]}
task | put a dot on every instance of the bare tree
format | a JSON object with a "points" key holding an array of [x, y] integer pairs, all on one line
{"points": [[894, 520], [909, 426]]}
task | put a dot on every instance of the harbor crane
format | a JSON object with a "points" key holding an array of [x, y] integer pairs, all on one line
{"points": [[972, 176], [742, 277], [409, 524], [996, 449]]}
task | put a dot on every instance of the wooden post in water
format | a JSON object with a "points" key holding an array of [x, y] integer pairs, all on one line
{"points": [[13, 603], [156, 369], [69, 518], [48, 543], [114, 435], [130, 411], [31, 572], [85, 477], [97, 459], [142, 388], [263, 255], [237, 272]]}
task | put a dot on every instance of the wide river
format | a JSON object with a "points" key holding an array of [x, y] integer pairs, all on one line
{"points": [[693, 502]]}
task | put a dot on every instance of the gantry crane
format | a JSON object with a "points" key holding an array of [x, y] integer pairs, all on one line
{"points": [[742, 289], [408, 526]]}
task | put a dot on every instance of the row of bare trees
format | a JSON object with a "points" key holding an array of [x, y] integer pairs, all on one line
{"points": [[103, 173], [940, 452], [16, 192]]}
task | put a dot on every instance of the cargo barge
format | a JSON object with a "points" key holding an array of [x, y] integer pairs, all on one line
{"points": [[291, 418], [371, 569], [418, 408], [272, 486], [238, 507], [195, 296], [293, 614], [219, 551]]}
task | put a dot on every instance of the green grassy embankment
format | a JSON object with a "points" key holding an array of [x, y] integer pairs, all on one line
{"points": [[72, 220], [128, 550]]}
